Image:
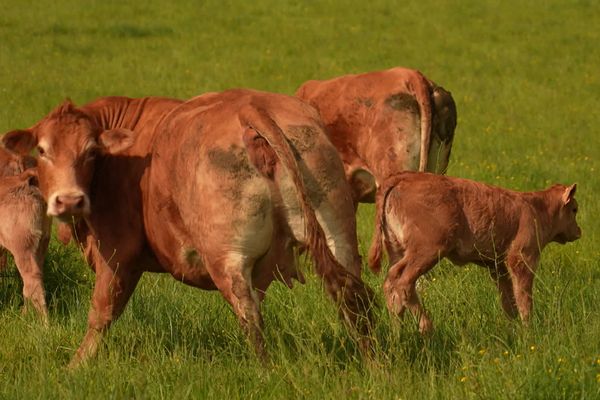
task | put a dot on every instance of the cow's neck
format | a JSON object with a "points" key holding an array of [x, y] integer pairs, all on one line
{"points": [[545, 211], [117, 112]]}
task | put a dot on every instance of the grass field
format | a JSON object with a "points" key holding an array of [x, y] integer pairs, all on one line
{"points": [[526, 80]]}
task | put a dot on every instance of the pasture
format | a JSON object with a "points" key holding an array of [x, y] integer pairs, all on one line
{"points": [[525, 77]]}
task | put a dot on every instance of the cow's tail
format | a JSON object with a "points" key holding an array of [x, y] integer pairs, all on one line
{"points": [[375, 251], [420, 89], [351, 293]]}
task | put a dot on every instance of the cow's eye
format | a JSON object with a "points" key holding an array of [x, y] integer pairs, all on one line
{"points": [[575, 210], [41, 151], [91, 154]]}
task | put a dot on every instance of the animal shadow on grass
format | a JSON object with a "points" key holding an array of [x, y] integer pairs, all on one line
{"points": [[177, 321]]}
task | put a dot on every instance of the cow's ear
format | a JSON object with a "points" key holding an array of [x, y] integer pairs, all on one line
{"points": [[363, 185], [19, 141], [569, 193], [114, 141]]}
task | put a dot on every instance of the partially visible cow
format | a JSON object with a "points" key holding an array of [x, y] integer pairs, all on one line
{"points": [[216, 191], [383, 123], [24, 226], [425, 218]]}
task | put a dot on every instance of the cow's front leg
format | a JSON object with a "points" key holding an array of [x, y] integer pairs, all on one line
{"points": [[521, 268], [114, 286]]}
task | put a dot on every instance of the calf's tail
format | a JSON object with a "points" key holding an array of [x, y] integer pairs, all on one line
{"points": [[348, 290], [375, 251]]}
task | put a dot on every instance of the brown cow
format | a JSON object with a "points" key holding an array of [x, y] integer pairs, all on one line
{"points": [[383, 123], [426, 217], [215, 191], [24, 226]]}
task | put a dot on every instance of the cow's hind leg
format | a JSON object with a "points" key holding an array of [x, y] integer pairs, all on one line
{"points": [[114, 286], [232, 275], [400, 288], [502, 279]]}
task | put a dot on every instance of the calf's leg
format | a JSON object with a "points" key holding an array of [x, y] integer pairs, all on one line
{"points": [[400, 291], [503, 281], [33, 287]]}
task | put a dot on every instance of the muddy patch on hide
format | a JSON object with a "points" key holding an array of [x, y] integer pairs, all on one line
{"points": [[303, 137], [403, 102], [233, 161], [258, 205], [235, 164], [191, 257], [365, 101], [321, 178]]}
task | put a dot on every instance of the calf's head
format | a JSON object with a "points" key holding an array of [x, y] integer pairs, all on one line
{"points": [[565, 223], [68, 142]]}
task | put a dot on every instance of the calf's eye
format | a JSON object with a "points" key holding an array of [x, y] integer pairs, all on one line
{"points": [[41, 150]]}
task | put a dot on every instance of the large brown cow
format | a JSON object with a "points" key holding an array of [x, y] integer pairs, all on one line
{"points": [[383, 123], [24, 226], [218, 190], [425, 217]]}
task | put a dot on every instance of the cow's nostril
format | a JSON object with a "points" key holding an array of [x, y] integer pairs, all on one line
{"points": [[80, 202], [58, 201]]}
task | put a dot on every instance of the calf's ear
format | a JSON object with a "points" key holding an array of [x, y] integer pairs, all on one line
{"points": [[114, 141], [569, 193], [19, 141]]}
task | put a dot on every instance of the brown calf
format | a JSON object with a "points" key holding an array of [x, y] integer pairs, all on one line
{"points": [[24, 226], [426, 217]]}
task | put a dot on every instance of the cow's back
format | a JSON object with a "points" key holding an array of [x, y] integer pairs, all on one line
{"points": [[386, 121], [358, 108], [201, 169]]}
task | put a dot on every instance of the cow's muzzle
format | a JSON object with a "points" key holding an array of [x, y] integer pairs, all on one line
{"points": [[68, 204]]}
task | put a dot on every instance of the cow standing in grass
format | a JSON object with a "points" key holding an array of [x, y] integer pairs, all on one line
{"points": [[383, 123], [216, 191], [425, 217], [24, 226]]}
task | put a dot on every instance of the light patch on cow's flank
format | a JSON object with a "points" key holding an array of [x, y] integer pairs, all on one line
{"points": [[411, 150], [254, 218], [334, 234]]}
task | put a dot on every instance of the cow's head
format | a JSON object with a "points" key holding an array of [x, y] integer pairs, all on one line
{"points": [[68, 141], [566, 228]]}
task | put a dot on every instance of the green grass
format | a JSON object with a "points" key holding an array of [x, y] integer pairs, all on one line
{"points": [[526, 78]]}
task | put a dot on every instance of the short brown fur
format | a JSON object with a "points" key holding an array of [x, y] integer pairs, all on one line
{"points": [[423, 218], [208, 190], [25, 228]]}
